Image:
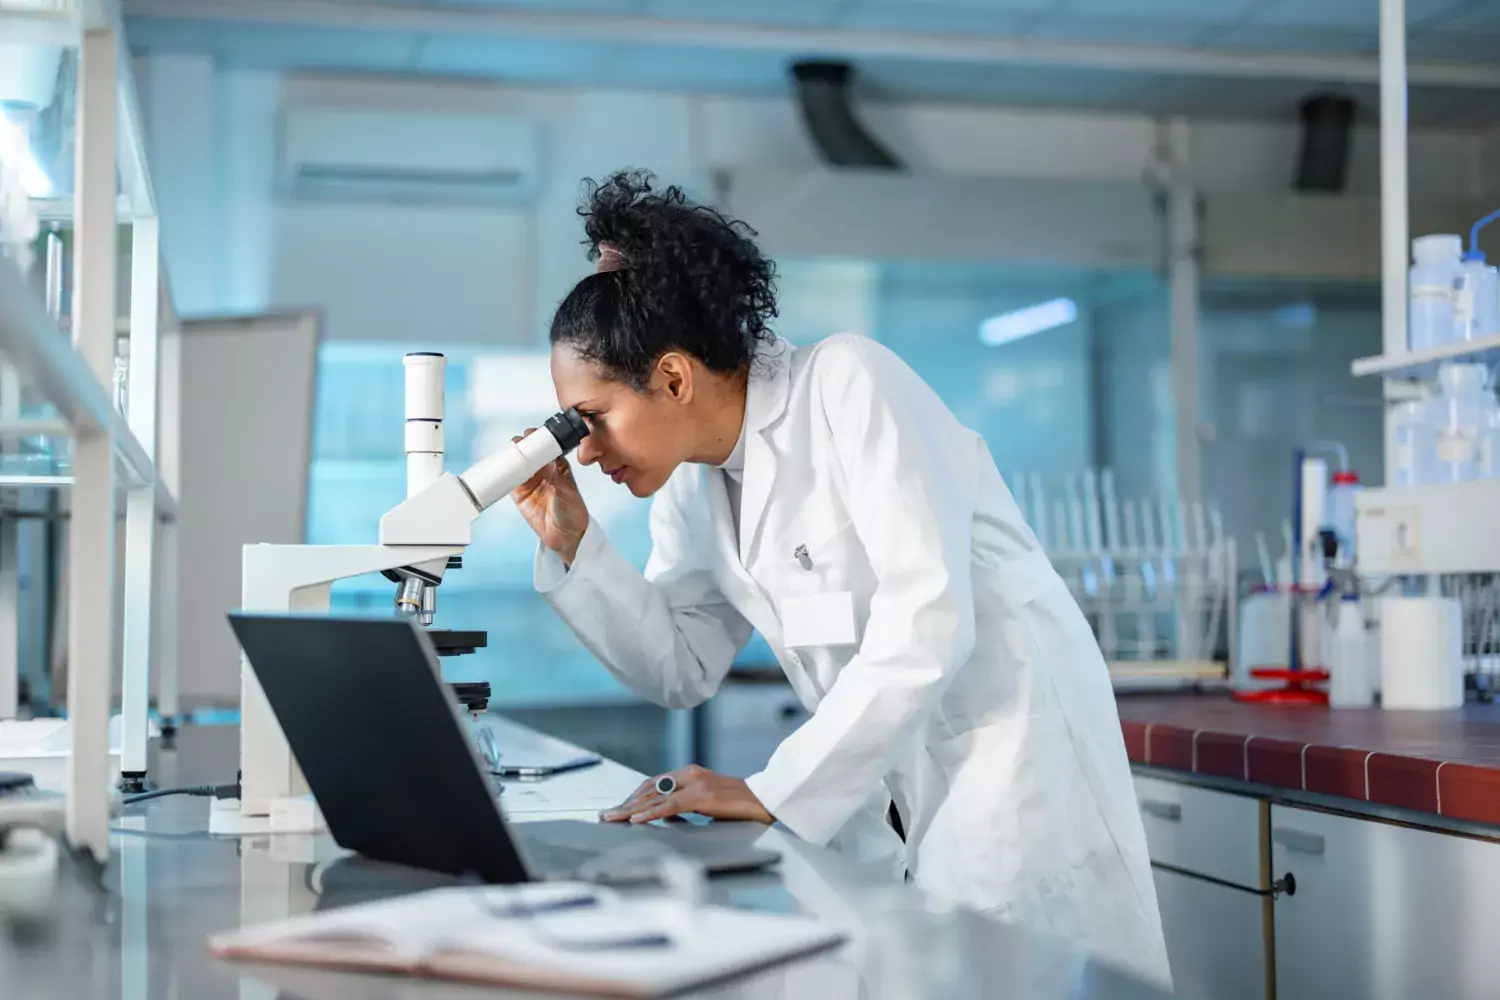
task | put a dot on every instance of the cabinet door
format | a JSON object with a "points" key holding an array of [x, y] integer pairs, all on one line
{"points": [[1203, 831], [1382, 911], [1216, 938]]}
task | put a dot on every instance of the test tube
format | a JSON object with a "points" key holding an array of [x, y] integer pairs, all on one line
{"points": [[1111, 509], [1091, 500], [1039, 506]]}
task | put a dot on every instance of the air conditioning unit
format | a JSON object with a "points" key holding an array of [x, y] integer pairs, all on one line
{"points": [[410, 156]]}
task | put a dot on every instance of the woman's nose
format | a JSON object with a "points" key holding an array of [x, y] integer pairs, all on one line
{"points": [[588, 451]]}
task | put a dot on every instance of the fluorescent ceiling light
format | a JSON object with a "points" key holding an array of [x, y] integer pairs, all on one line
{"points": [[15, 153], [1018, 323]]}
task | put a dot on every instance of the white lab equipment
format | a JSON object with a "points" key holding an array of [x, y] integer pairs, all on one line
{"points": [[1491, 460], [1476, 306], [1312, 519], [1421, 653], [1350, 659], [1436, 274], [1460, 417], [418, 539], [1477, 303], [1265, 638], [1413, 444]]}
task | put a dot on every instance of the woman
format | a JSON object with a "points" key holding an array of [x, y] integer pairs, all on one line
{"points": [[826, 497]]}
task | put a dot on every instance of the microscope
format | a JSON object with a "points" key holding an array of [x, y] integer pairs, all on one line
{"points": [[421, 538]]}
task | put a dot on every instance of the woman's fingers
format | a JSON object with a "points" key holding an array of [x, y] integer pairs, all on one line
{"points": [[628, 809], [671, 805]]}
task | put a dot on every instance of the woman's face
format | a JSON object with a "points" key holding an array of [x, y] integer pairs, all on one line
{"points": [[636, 438]]}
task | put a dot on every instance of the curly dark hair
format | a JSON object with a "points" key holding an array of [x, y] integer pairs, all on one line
{"points": [[689, 279]]}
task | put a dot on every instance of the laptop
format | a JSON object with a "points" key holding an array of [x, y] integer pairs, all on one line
{"points": [[386, 754]]}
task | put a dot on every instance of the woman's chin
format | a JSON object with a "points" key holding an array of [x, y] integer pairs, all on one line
{"points": [[640, 485]]}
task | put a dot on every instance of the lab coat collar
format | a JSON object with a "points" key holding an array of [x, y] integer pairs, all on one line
{"points": [[765, 402]]}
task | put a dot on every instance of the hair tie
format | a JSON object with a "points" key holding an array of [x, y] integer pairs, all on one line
{"points": [[610, 258]]}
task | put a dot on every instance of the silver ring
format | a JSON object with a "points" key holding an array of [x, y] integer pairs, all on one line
{"points": [[666, 785]]}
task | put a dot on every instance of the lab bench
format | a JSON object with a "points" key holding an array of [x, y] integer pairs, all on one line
{"points": [[137, 930], [1309, 853]]}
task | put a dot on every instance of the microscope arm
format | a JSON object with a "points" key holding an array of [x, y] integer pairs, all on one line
{"points": [[444, 512]]}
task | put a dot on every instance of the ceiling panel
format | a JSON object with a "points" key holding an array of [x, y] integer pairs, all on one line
{"points": [[167, 35], [1344, 13], [1122, 30], [1483, 17], [774, 12], [1460, 46], [1046, 86], [653, 67], [1198, 11], [997, 17], [1261, 38], [1448, 107], [906, 78], [531, 61], [259, 46], [953, 22], [571, 6]]}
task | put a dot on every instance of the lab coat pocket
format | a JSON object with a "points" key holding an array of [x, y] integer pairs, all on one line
{"points": [[817, 553]]}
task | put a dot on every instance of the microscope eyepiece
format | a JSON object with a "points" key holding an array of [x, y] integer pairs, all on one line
{"points": [[568, 428]]}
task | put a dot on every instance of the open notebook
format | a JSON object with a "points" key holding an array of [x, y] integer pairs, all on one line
{"points": [[555, 937]]}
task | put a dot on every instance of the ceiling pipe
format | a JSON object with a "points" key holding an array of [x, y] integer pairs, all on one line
{"points": [[823, 98]]}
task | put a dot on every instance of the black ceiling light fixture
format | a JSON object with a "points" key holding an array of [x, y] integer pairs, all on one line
{"points": [[823, 97]]}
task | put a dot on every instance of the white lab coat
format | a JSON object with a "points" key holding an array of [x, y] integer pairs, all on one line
{"points": [[975, 698]]}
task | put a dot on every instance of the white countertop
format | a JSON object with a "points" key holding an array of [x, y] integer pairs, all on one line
{"points": [[578, 794]]}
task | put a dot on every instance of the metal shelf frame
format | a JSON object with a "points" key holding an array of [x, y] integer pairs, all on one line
{"points": [[116, 465]]}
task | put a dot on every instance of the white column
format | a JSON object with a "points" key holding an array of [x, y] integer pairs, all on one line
{"points": [[1394, 238], [10, 569], [1183, 282], [91, 536], [168, 605], [10, 617], [140, 510]]}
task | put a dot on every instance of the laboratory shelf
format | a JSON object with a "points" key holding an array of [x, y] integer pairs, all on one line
{"points": [[47, 363], [1422, 365]]}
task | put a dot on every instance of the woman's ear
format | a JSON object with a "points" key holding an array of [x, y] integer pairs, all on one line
{"points": [[674, 373]]}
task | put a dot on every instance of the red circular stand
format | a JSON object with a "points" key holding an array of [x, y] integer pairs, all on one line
{"points": [[1294, 692]]}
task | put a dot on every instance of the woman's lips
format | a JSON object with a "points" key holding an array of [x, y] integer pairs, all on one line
{"points": [[619, 474]]}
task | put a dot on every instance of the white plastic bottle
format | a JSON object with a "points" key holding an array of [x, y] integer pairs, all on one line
{"points": [[1350, 684], [1490, 462], [1460, 417], [1436, 275], [1414, 443], [1476, 306]]}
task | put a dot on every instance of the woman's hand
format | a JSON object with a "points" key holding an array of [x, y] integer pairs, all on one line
{"points": [[554, 508], [699, 790]]}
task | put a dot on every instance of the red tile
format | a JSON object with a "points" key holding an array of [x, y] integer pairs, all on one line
{"points": [[1170, 746], [1220, 753], [1406, 782], [1468, 792], [1135, 741], [1336, 771], [1276, 762]]}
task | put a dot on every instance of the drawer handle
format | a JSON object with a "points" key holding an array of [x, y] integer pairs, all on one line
{"points": [[1297, 840], [1170, 811]]}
